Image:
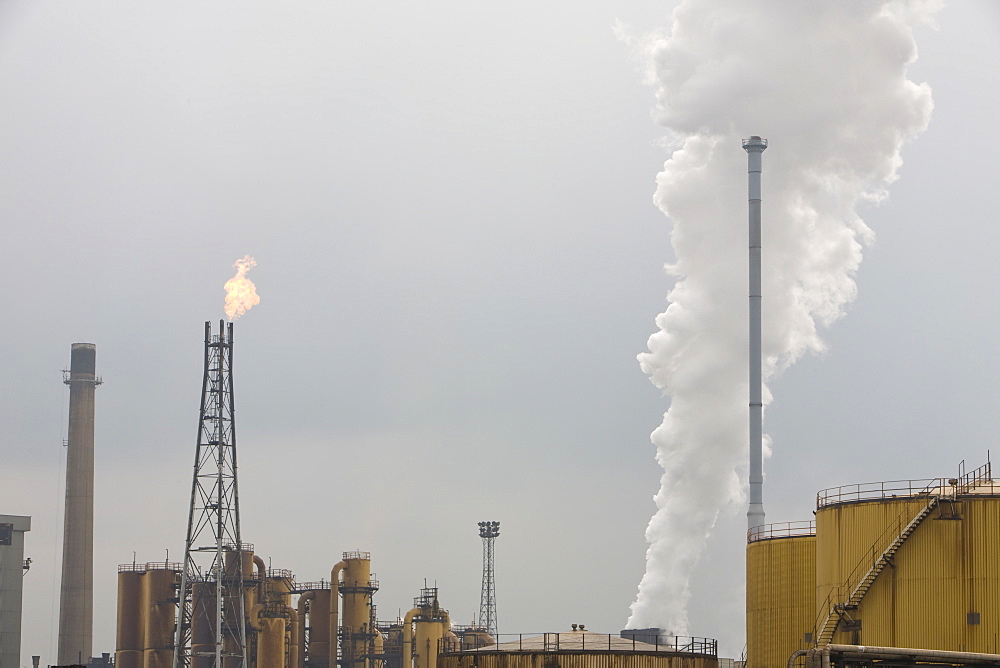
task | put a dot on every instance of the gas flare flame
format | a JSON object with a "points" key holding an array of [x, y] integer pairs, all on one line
{"points": [[241, 293]]}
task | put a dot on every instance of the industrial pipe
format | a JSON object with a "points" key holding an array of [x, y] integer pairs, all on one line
{"points": [[300, 637], [293, 646], [255, 617], [261, 594], [335, 610], [941, 656], [796, 654], [408, 637]]}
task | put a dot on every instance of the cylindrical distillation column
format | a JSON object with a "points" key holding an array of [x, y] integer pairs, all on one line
{"points": [[755, 514]]}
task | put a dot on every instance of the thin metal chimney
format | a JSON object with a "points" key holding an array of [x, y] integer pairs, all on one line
{"points": [[76, 593], [754, 146]]}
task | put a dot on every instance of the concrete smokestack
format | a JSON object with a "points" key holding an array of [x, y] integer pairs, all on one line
{"points": [[76, 596], [755, 514]]}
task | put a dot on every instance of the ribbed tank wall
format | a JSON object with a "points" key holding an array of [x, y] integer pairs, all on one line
{"points": [[942, 588], [781, 599], [567, 660], [129, 638]]}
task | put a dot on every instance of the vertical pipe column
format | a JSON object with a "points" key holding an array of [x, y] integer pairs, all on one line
{"points": [[76, 592], [754, 146]]}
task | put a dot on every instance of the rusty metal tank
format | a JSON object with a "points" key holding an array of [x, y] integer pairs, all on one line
{"points": [[781, 592], [130, 641], [202, 623], [158, 609]]}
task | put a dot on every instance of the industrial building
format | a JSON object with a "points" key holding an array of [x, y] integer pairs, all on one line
{"points": [[335, 623], [12, 568], [899, 573]]}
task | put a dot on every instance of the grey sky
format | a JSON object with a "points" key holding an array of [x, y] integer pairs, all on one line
{"points": [[458, 260]]}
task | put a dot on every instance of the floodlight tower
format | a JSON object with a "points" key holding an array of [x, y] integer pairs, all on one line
{"points": [[488, 531], [213, 553]]}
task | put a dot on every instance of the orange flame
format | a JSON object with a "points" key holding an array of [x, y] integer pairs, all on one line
{"points": [[241, 293]]}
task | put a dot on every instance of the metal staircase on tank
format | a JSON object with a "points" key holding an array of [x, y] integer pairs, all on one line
{"points": [[837, 610]]}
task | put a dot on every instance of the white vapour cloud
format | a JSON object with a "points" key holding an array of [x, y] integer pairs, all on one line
{"points": [[826, 83]]}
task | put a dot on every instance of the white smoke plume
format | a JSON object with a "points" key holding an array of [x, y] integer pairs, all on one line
{"points": [[241, 293], [826, 83]]}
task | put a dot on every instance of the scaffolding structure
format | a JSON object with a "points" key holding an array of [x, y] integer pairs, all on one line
{"points": [[488, 531], [213, 551]]}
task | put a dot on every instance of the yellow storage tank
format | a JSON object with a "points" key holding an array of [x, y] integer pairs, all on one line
{"points": [[130, 641], [427, 641], [159, 614], [357, 589], [919, 556], [583, 649], [781, 592], [318, 650]]}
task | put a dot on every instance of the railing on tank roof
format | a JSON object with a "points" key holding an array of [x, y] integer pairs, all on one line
{"points": [[151, 566], [579, 641], [279, 573], [300, 587], [781, 530], [979, 481], [870, 491]]}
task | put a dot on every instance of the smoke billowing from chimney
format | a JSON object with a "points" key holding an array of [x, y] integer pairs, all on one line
{"points": [[827, 83], [241, 293]]}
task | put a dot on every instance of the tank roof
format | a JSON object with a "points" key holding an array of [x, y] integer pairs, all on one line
{"points": [[588, 641], [979, 482]]}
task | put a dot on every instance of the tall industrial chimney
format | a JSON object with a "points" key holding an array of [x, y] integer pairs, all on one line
{"points": [[77, 587], [755, 514]]}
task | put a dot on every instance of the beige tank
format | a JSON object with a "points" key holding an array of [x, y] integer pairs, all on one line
{"points": [[279, 587], [319, 628], [356, 589], [940, 589], [577, 650], [130, 641], [427, 641], [780, 593], [158, 606], [271, 643], [474, 638]]}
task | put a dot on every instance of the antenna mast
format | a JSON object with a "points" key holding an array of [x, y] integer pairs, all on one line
{"points": [[488, 531], [213, 553]]}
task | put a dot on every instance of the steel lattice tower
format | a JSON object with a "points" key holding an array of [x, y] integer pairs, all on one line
{"points": [[212, 550], [488, 531]]}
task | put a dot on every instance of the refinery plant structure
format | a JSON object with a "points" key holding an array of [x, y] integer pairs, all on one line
{"points": [[893, 574]]}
